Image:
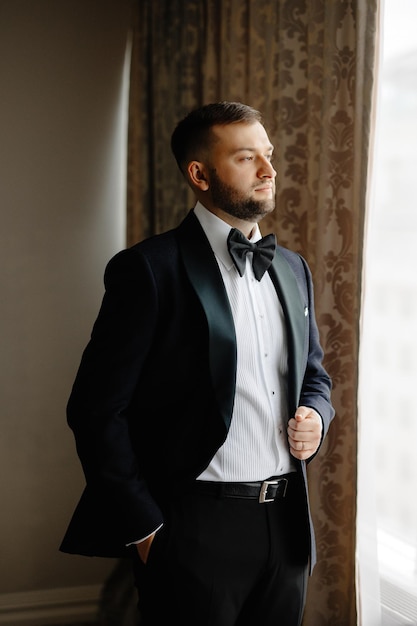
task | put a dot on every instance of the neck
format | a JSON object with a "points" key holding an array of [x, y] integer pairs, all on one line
{"points": [[245, 227]]}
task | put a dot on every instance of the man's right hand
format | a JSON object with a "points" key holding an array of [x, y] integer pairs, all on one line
{"points": [[144, 546]]}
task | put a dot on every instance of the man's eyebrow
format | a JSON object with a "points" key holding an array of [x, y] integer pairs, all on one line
{"points": [[269, 148]]}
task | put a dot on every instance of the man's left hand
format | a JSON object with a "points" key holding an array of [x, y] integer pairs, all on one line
{"points": [[304, 433]]}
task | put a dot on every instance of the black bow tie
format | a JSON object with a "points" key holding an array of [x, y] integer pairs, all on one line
{"points": [[263, 252]]}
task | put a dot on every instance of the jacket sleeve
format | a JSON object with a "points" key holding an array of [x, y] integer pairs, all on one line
{"points": [[317, 385], [107, 376]]}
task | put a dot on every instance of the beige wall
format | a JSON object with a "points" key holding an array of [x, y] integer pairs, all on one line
{"points": [[63, 92]]}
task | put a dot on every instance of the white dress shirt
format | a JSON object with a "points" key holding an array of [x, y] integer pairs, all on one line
{"points": [[256, 446]]}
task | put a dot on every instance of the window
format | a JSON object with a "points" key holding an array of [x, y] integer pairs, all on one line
{"points": [[388, 371]]}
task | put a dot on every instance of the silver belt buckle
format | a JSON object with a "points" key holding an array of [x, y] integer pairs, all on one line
{"points": [[264, 489]]}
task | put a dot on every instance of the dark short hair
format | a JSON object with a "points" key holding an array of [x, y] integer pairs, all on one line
{"points": [[192, 133]]}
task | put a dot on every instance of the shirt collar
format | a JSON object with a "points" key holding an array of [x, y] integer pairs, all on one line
{"points": [[217, 231]]}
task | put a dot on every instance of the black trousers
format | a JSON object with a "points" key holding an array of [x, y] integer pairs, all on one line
{"points": [[221, 561]]}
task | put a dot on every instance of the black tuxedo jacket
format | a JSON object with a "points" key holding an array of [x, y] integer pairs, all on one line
{"points": [[153, 397]]}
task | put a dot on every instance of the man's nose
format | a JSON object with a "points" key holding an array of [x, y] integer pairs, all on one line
{"points": [[266, 169]]}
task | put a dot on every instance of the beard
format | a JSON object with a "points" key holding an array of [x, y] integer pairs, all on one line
{"points": [[235, 203]]}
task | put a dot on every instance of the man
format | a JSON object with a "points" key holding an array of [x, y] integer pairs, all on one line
{"points": [[201, 396]]}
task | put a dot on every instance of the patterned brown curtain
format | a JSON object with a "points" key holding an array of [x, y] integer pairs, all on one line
{"points": [[308, 65]]}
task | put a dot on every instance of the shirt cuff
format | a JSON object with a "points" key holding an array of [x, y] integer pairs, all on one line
{"points": [[133, 543]]}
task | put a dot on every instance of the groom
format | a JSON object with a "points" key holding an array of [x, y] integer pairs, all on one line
{"points": [[201, 397]]}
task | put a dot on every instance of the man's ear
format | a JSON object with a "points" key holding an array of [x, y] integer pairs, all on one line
{"points": [[197, 175]]}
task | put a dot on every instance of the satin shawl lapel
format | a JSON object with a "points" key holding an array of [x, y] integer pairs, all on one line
{"points": [[295, 311], [204, 274]]}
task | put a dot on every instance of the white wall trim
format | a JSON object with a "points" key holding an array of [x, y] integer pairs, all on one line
{"points": [[50, 606]]}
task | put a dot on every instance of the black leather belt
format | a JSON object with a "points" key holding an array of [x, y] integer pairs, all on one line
{"points": [[266, 491]]}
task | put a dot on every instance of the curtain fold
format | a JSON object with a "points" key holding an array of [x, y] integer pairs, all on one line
{"points": [[309, 67]]}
